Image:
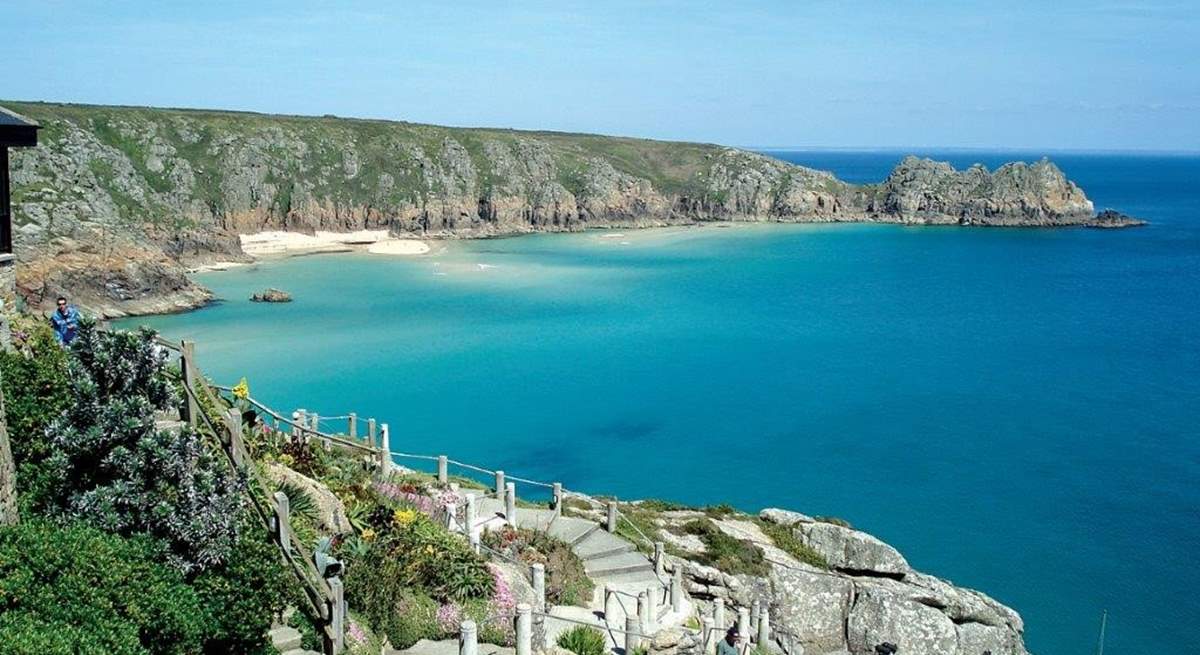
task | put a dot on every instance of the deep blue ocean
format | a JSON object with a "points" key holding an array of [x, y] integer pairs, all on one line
{"points": [[1017, 410]]}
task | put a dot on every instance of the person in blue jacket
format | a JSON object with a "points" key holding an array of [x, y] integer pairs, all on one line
{"points": [[65, 321]]}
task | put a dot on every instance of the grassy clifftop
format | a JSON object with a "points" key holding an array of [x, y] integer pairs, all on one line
{"points": [[116, 199], [347, 160]]}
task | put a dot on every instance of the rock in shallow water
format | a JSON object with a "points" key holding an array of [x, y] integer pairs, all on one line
{"points": [[272, 295], [1112, 219]]}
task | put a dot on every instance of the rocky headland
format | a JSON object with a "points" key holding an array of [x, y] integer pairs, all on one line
{"points": [[118, 202]]}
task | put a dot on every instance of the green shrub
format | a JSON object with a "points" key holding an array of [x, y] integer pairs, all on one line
{"points": [[583, 640], [786, 540], [244, 594], [35, 392], [720, 511], [405, 616], [659, 505], [567, 583], [117, 471], [411, 566], [729, 554], [75, 589], [414, 551]]}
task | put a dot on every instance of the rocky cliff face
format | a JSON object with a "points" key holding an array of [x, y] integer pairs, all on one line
{"points": [[116, 201]]}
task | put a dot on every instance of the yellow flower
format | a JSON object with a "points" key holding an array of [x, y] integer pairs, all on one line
{"points": [[368, 534], [241, 390], [429, 550], [404, 516]]}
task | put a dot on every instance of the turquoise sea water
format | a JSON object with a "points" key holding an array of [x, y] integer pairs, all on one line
{"points": [[1015, 409]]}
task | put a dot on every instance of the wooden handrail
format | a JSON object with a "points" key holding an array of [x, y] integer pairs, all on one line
{"points": [[316, 589]]}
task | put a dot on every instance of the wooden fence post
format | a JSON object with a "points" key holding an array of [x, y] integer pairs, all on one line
{"points": [[611, 522], [337, 614], [283, 529], [443, 469], [707, 638], [499, 484], [558, 498], [371, 432], [187, 362], [743, 622], [719, 615], [237, 446], [352, 428], [764, 626], [510, 504], [659, 562]]}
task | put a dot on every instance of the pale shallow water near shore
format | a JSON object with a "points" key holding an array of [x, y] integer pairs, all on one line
{"points": [[1014, 409]]}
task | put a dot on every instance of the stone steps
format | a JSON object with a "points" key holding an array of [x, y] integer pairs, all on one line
{"points": [[284, 639], [599, 544], [609, 560], [627, 562]]}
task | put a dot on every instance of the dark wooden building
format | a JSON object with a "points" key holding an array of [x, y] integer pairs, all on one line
{"points": [[16, 131]]}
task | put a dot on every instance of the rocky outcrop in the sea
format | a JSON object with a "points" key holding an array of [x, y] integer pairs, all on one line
{"points": [[1016, 194], [1110, 218], [271, 295], [175, 188]]}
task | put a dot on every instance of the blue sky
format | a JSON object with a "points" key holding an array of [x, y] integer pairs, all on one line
{"points": [[1053, 75]]}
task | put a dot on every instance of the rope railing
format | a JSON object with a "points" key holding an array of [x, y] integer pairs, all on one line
{"points": [[298, 427], [533, 482], [605, 626], [471, 467]]}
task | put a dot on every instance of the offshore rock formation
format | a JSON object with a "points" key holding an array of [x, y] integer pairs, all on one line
{"points": [[116, 202], [271, 295]]}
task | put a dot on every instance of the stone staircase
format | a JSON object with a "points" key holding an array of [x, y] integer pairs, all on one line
{"points": [[287, 641], [609, 560]]}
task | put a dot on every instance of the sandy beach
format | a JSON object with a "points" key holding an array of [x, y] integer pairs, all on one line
{"points": [[277, 242]]}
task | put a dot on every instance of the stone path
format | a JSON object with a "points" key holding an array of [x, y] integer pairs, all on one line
{"points": [[609, 560], [287, 641]]}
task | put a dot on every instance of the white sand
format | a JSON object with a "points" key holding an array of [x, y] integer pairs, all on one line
{"points": [[216, 266], [399, 247], [277, 242]]}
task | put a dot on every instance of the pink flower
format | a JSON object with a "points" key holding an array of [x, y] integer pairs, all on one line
{"points": [[503, 598], [356, 635], [449, 618]]}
